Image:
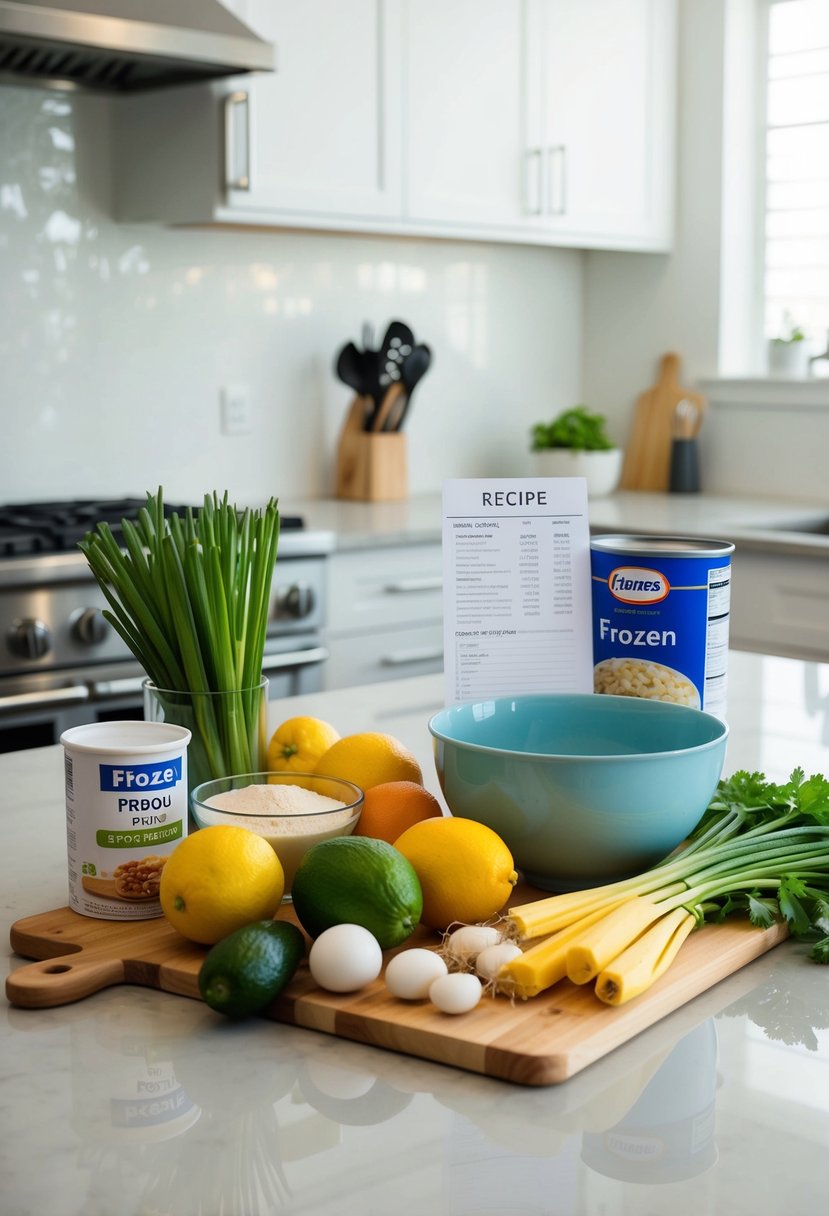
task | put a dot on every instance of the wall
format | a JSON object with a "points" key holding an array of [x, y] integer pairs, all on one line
{"points": [[754, 441], [115, 341]]}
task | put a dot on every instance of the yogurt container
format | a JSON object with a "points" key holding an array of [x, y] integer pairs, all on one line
{"points": [[126, 810], [661, 608]]}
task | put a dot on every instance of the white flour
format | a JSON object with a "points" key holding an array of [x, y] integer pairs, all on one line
{"points": [[266, 801]]}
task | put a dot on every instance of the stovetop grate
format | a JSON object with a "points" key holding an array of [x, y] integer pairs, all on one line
{"points": [[56, 527]]}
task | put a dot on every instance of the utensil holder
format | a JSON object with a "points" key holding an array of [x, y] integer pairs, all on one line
{"points": [[684, 471], [371, 466]]}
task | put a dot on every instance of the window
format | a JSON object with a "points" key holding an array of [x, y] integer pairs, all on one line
{"points": [[797, 171]]}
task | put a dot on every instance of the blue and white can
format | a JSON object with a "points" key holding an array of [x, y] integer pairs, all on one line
{"points": [[126, 810], [661, 608]]}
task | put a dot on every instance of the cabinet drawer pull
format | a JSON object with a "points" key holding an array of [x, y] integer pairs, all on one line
{"points": [[429, 582], [418, 654], [532, 185], [557, 180], [237, 141]]}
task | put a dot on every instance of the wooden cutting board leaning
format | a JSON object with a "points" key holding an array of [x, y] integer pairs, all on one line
{"points": [[648, 449], [541, 1041]]}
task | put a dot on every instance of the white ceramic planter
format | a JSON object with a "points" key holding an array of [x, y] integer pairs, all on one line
{"points": [[788, 359], [601, 470]]}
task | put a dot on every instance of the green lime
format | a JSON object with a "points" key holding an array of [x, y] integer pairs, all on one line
{"points": [[246, 970], [359, 881]]}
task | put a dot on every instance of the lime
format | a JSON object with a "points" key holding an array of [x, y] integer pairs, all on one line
{"points": [[357, 880], [245, 971]]}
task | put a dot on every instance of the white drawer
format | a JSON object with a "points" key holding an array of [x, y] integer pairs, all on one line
{"points": [[391, 655], [380, 588], [778, 604]]}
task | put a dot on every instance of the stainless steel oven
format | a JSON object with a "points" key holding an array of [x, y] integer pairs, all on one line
{"points": [[62, 664]]}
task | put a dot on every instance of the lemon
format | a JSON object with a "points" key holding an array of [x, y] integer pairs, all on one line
{"points": [[218, 880], [466, 871], [359, 881], [248, 969], [298, 744], [369, 759]]}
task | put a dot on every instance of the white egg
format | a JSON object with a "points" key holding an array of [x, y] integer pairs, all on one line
{"points": [[490, 961], [410, 973], [465, 944], [456, 993], [345, 958]]}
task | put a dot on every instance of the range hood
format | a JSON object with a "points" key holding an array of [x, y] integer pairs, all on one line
{"points": [[120, 46]]}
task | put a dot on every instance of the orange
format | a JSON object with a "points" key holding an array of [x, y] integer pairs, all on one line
{"points": [[392, 807], [369, 759], [466, 871], [297, 745]]}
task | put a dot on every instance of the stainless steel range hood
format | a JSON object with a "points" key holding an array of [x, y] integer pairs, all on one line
{"points": [[120, 46]]}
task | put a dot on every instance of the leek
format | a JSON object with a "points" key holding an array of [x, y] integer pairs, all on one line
{"points": [[760, 848], [190, 598]]}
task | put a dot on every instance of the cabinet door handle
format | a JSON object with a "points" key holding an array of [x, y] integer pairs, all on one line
{"points": [[237, 141], [418, 654], [557, 179], [532, 184], [405, 585]]}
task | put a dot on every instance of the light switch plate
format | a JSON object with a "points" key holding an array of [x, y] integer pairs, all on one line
{"points": [[236, 414]]}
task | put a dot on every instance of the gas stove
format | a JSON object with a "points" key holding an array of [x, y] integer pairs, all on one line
{"points": [[56, 527], [57, 650]]}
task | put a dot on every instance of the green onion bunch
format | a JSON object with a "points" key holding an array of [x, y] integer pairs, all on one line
{"points": [[190, 597]]}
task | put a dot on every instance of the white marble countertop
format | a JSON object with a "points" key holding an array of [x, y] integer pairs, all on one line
{"points": [[757, 524], [763, 524], [721, 1107]]}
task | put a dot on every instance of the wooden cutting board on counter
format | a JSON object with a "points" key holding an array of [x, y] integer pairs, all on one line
{"points": [[647, 460], [538, 1042]]}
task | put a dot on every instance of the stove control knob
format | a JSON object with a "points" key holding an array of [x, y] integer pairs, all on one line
{"points": [[89, 627], [29, 639], [296, 601]]}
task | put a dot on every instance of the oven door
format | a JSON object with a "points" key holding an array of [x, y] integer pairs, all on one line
{"points": [[36, 710]]}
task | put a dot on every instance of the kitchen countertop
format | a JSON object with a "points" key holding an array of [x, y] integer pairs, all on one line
{"points": [[721, 1106], [757, 524]]}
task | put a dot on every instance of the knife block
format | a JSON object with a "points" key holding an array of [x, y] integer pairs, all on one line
{"points": [[371, 466]]}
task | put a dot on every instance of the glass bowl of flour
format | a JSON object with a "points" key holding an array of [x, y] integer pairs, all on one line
{"points": [[291, 810]]}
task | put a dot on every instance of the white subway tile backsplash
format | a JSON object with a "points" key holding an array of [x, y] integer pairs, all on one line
{"points": [[116, 341]]}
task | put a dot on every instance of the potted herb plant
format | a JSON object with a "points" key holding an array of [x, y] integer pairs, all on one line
{"points": [[788, 353], [576, 444]]}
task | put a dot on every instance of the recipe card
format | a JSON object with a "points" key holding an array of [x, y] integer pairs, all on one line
{"points": [[517, 598]]}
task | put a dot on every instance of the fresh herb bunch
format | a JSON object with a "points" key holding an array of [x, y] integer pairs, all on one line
{"points": [[190, 598], [576, 428], [760, 848]]}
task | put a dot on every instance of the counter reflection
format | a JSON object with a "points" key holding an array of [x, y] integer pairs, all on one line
{"points": [[195, 1124]]}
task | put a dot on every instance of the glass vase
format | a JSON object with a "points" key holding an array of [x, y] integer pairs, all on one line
{"points": [[229, 729]]}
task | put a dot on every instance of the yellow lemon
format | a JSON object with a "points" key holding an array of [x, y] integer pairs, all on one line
{"points": [[369, 759], [298, 744], [466, 871], [218, 880]]}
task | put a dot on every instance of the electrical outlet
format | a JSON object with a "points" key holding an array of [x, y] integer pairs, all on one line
{"points": [[236, 416]]}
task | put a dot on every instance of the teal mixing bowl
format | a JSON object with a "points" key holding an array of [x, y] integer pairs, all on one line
{"points": [[583, 788]]}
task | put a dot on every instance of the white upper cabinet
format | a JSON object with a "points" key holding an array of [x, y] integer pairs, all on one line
{"points": [[464, 74], [315, 142], [550, 118], [603, 118], [322, 134], [541, 121]]}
